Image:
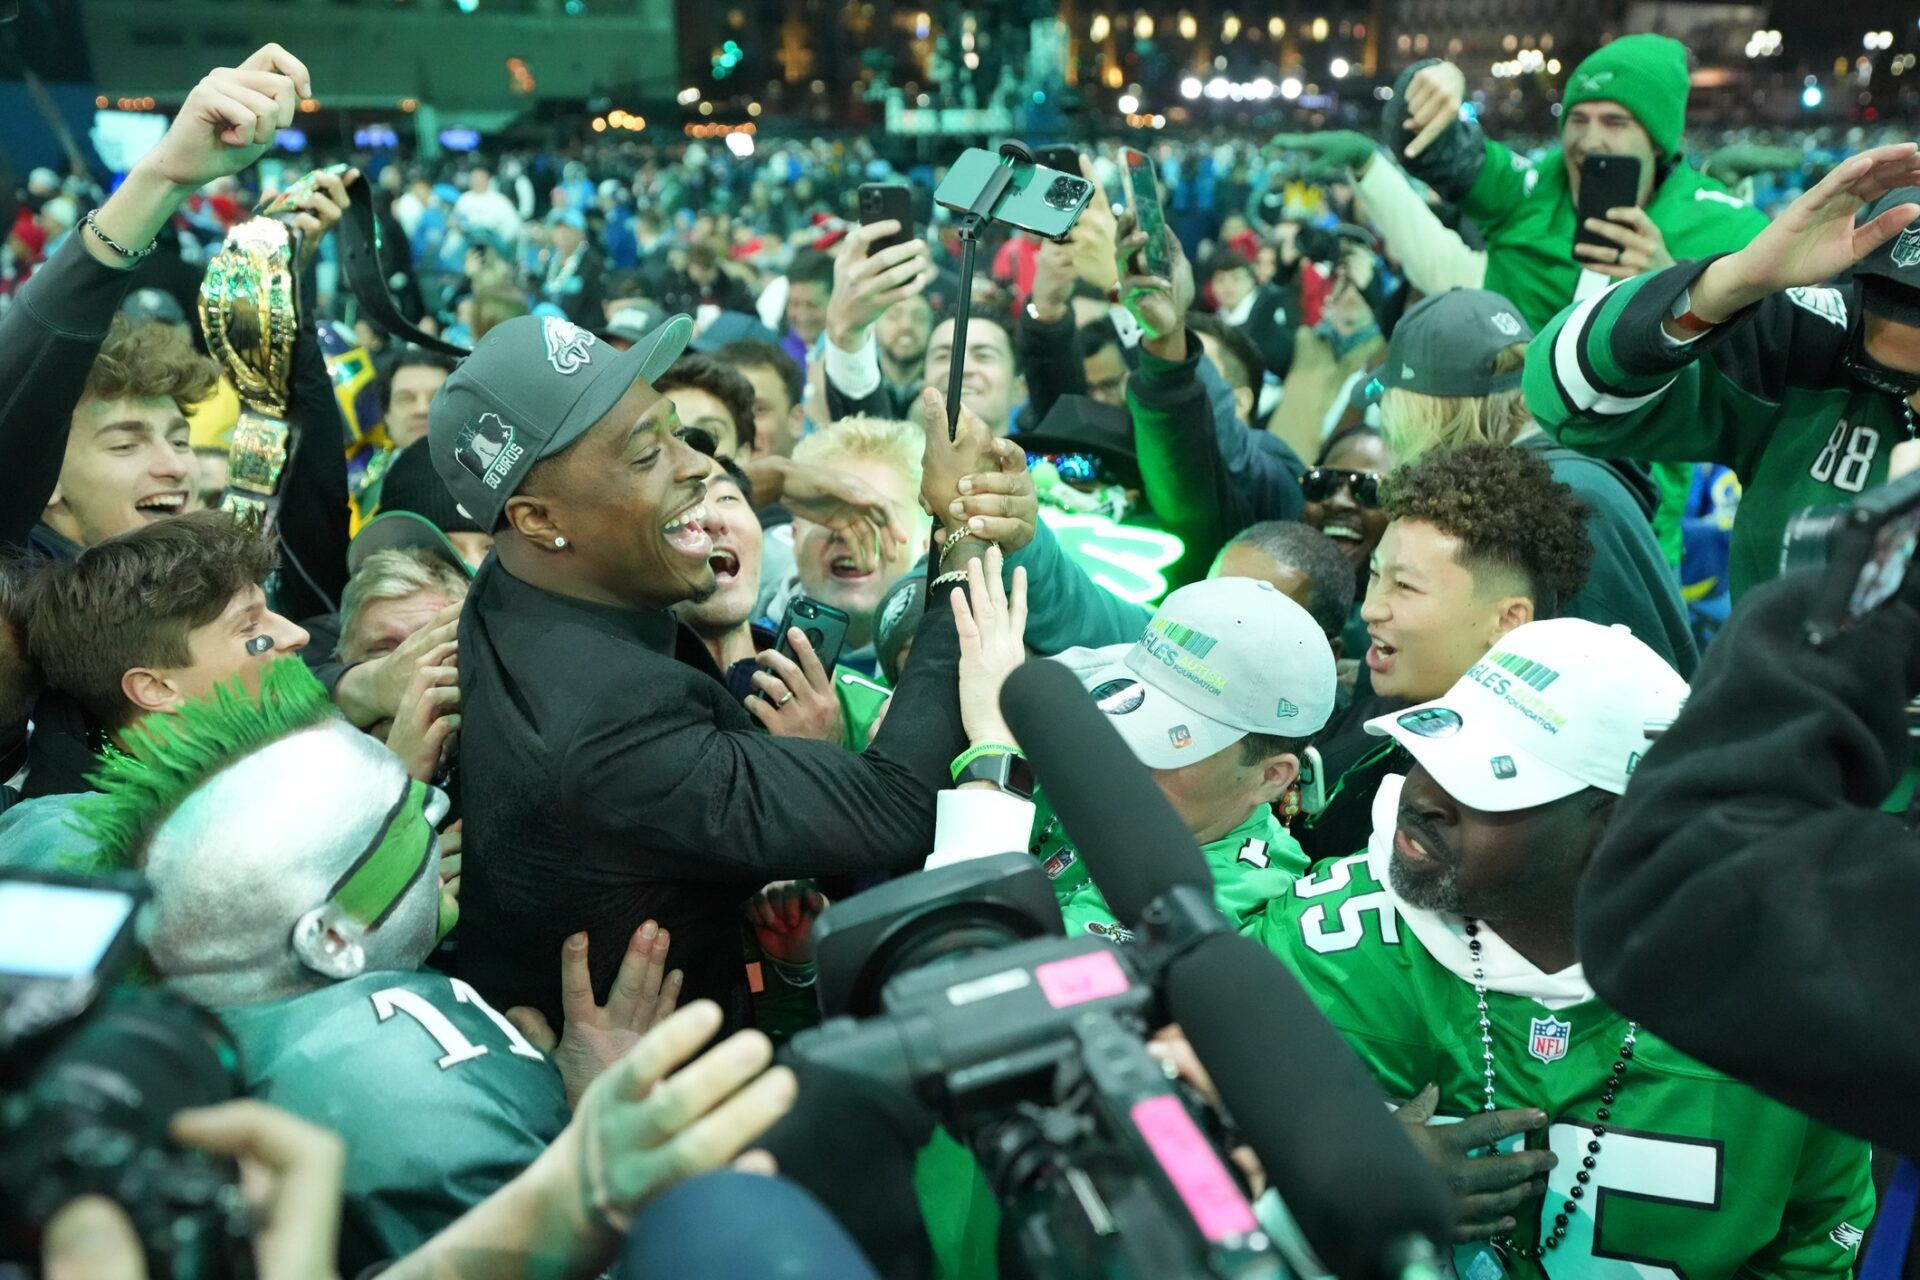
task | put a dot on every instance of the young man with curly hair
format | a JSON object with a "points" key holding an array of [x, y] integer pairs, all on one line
{"points": [[1482, 540]]}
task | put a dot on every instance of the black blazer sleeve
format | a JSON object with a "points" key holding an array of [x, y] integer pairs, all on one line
{"points": [[1750, 903]]}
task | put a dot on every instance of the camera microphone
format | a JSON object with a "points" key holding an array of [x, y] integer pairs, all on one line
{"points": [[1343, 1165], [1137, 848], [1362, 1195]]}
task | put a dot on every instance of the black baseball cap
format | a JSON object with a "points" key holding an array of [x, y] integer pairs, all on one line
{"points": [[1446, 345], [533, 386], [1081, 424], [1891, 274], [412, 484]]}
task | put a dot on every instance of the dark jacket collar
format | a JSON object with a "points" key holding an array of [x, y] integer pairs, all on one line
{"points": [[655, 629]]}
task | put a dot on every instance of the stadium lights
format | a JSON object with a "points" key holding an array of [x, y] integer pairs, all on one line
{"points": [[1190, 87], [1290, 88]]}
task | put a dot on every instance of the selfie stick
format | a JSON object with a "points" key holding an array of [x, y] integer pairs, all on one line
{"points": [[978, 213]]}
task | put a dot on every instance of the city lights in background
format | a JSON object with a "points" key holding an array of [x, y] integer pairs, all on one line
{"points": [[1764, 44], [1875, 40]]}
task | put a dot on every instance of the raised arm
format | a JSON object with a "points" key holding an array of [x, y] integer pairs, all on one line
{"points": [[49, 339]]}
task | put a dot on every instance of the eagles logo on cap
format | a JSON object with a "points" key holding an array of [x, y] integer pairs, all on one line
{"points": [[569, 347]]}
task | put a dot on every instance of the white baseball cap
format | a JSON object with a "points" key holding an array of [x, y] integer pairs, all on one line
{"points": [[1221, 659], [1554, 708]]}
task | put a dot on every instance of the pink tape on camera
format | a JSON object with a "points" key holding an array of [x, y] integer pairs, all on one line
{"points": [[1094, 976], [1204, 1184]]}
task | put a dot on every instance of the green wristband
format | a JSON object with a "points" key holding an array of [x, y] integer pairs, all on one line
{"points": [[967, 757]]}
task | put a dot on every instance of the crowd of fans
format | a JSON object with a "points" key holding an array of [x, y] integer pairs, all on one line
{"points": [[1382, 527]]}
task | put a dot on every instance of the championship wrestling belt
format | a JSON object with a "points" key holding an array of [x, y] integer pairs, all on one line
{"points": [[249, 312]]}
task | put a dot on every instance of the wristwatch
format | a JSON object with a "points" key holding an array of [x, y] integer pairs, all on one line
{"points": [[1033, 314], [1005, 768]]}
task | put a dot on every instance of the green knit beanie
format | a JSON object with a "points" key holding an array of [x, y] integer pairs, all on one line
{"points": [[1647, 75]]}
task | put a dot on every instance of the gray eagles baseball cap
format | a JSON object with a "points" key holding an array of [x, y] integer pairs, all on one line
{"points": [[1891, 273], [532, 386], [1220, 659], [1446, 345]]}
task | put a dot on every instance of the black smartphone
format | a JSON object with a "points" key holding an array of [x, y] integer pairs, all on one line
{"points": [[1059, 156], [1606, 182], [824, 626], [1143, 194], [880, 201]]}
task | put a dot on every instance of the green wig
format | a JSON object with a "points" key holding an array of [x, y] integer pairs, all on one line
{"points": [[167, 757]]}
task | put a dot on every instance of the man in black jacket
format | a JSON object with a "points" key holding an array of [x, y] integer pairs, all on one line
{"points": [[1751, 902], [608, 776]]}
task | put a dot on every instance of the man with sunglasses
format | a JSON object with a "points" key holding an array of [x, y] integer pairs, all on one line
{"points": [[1746, 360], [1321, 483]]}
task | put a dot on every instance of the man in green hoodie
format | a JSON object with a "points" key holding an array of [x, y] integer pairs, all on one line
{"points": [[1628, 97]]}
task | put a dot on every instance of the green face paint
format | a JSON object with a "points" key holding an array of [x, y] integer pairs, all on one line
{"points": [[396, 857]]}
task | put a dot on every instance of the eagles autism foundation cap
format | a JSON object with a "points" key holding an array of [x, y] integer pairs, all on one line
{"points": [[1221, 659], [532, 386], [1554, 708]]}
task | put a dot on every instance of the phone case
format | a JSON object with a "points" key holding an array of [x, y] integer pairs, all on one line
{"points": [[1614, 184], [1143, 191]]}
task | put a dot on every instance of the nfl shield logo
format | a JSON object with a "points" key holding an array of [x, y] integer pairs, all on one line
{"points": [[1549, 1039], [1906, 250]]}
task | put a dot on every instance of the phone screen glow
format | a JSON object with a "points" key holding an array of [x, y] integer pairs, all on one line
{"points": [[57, 930]]}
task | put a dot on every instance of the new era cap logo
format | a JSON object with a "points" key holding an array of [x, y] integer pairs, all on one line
{"points": [[1507, 323], [1117, 697], [487, 451], [1906, 250], [1433, 722], [569, 346]]}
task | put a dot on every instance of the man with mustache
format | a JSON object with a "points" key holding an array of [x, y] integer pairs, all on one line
{"points": [[1445, 954]]}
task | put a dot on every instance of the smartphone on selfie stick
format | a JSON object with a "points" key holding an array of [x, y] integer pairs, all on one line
{"points": [[1013, 189]]}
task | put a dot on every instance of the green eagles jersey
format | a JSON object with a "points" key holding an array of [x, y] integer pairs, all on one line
{"points": [[1252, 864], [439, 1099], [1527, 212], [1698, 1176], [1766, 393]]}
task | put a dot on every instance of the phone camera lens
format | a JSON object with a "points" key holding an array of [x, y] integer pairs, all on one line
{"points": [[1066, 192]]}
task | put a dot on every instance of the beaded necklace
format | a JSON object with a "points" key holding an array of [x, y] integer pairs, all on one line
{"points": [[1506, 1244]]}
